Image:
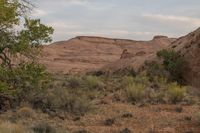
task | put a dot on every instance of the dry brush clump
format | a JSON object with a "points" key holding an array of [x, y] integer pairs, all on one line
{"points": [[25, 112], [72, 94], [43, 127], [176, 92], [135, 87], [135, 92]]}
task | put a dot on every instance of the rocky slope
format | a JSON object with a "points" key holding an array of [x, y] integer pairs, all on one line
{"points": [[85, 53], [189, 47]]}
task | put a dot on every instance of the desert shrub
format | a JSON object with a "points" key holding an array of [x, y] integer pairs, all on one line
{"points": [[176, 93], [158, 89], [142, 78], [155, 71], [125, 130], [128, 71], [43, 128], [81, 131], [74, 82], [78, 105], [173, 63], [4, 87], [135, 92], [57, 98], [91, 82], [25, 112], [84, 82], [109, 121], [160, 81], [198, 117], [6, 78], [31, 79], [75, 101], [135, 86], [127, 81], [24, 80], [8, 127]]}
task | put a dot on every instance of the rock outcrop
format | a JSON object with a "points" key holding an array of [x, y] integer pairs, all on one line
{"points": [[86, 53], [189, 47]]}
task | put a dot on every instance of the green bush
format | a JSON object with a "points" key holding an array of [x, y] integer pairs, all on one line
{"points": [[173, 63], [4, 87], [24, 80], [176, 93]]}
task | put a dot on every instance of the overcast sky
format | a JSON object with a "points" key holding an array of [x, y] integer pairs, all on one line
{"points": [[128, 19]]}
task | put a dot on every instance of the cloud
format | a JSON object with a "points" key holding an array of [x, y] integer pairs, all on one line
{"points": [[38, 13], [131, 19], [77, 2], [173, 18], [63, 25]]}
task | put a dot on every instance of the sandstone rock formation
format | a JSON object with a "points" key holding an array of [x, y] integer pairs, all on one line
{"points": [[189, 47], [86, 53], [125, 54]]}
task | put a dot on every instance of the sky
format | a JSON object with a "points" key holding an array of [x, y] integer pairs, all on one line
{"points": [[127, 19]]}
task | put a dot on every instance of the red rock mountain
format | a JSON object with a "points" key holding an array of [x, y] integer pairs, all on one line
{"points": [[85, 53]]}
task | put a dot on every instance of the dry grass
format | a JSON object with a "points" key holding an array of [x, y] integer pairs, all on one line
{"points": [[143, 119], [176, 93], [25, 112], [8, 127]]}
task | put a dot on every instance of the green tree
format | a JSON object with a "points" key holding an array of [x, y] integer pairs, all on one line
{"points": [[20, 35], [173, 63], [25, 41]]}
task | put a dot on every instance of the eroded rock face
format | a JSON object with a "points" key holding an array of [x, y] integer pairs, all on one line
{"points": [[189, 47], [125, 54], [86, 53]]}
